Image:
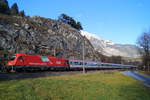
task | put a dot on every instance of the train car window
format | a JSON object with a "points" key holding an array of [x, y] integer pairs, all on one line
{"points": [[81, 63], [76, 63], [93, 64], [89, 64], [70, 62], [85, 63], [98, 64]]}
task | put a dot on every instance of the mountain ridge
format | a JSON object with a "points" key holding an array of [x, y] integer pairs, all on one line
{"points": [[109, 48]]}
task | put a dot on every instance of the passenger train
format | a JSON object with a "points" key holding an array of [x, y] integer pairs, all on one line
{"points": [[21, 61]]}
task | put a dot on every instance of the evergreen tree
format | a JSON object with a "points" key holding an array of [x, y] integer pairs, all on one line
{"points": [[63, 18], [79, 26], [69, 20], [22, 13], [4, 8], [14, 9]]}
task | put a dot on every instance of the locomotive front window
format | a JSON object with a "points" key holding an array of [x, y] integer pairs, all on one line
{"points": [[12, 57]]}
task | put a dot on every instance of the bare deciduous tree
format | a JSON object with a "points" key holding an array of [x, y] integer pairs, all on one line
{"points": [[143, 43]]}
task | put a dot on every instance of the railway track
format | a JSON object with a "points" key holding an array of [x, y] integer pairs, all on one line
{"points": [[36, 74]]}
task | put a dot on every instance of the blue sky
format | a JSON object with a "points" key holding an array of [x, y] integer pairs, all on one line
{"points": [[121, 21]]}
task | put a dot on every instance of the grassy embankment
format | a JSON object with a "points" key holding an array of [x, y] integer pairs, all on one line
{"points": [[93, 86]]}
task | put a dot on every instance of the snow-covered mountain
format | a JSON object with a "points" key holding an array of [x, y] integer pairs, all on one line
{"points": [[109, 48]]}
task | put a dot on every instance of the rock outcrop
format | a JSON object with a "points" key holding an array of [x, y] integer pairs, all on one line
{"points": [[43, 36]]}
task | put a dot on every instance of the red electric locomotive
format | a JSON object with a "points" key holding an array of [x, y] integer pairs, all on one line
{"points": [[32, 62]]}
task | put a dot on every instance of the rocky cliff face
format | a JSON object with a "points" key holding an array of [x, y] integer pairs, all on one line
{"points": [[39, 35]]}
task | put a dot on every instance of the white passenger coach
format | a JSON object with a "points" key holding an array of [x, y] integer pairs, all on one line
{"points": [[79, 64]]}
